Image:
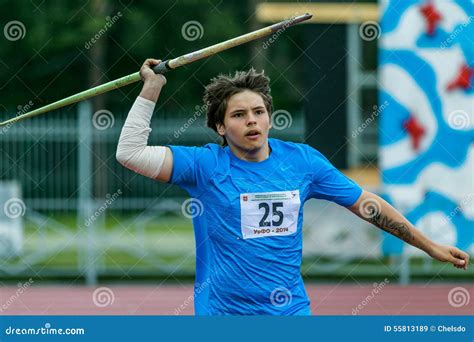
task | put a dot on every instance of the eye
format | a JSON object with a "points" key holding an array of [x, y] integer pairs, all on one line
{"points": [[237, 115], [259, 111]]}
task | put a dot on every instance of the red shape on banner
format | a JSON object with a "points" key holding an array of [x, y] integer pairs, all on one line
{"points": [[432, 17], [463, 80], [415, 130]]}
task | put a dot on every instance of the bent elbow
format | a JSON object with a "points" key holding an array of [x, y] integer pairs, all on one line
{"points": [[121, 157]]}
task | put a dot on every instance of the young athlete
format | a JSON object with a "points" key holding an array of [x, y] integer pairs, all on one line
{"points": [[253, 188]]}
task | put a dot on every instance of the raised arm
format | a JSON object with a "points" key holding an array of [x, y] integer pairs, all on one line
{"points": [[132, 151], [377, 211]]}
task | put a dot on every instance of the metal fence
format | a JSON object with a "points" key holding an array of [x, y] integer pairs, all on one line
{"points": [[51, 156], [85, 215]]}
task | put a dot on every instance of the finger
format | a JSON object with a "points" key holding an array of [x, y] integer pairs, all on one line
{"points": [[465, 257], [459, 262], [460, 255], [154, 62], [149, 62]]}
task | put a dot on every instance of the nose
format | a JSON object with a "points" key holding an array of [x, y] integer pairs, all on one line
{"points": [[252, 119]]}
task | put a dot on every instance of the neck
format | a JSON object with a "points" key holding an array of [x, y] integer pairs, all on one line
{"points": [[256, 155]]}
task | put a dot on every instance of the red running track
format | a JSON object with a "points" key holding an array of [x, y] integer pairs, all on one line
{"points": [[170, 300]]}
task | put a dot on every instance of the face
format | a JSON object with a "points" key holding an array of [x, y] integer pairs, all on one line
{"points": [[246, 121]]}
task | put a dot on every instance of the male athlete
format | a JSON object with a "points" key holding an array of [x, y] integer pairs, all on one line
{"points": [[253, 188]]}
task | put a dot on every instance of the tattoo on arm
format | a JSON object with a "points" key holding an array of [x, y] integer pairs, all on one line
{"points": [[399, 229]]}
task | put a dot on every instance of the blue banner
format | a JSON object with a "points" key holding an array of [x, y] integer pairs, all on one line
{"points": [[238, 329], [426, 72]]}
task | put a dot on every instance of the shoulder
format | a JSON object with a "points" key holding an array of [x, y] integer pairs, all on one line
{"points": [[307, 157], [208, 150], [212, 150], [210, 158], [199, 157], [296, 149], [282, 145]]}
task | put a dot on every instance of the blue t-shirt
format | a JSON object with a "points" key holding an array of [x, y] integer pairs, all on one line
{"points": [[249, 226]]}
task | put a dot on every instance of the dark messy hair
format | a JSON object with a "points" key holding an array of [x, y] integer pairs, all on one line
{"points": [[222, 87]]}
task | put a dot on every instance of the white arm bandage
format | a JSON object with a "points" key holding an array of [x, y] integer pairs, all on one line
{"points": [[132, 149]]}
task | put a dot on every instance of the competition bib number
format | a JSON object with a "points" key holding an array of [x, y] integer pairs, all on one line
{"points": [[269, 213]]}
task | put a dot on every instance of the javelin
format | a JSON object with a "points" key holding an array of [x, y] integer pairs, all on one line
{"points": [[163, 67]]}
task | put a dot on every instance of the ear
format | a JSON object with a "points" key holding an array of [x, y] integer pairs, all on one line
{"points": [[270, 117], [220, 129]]}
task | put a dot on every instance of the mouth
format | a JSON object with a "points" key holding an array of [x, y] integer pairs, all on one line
{"points": [[253, 134]]}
